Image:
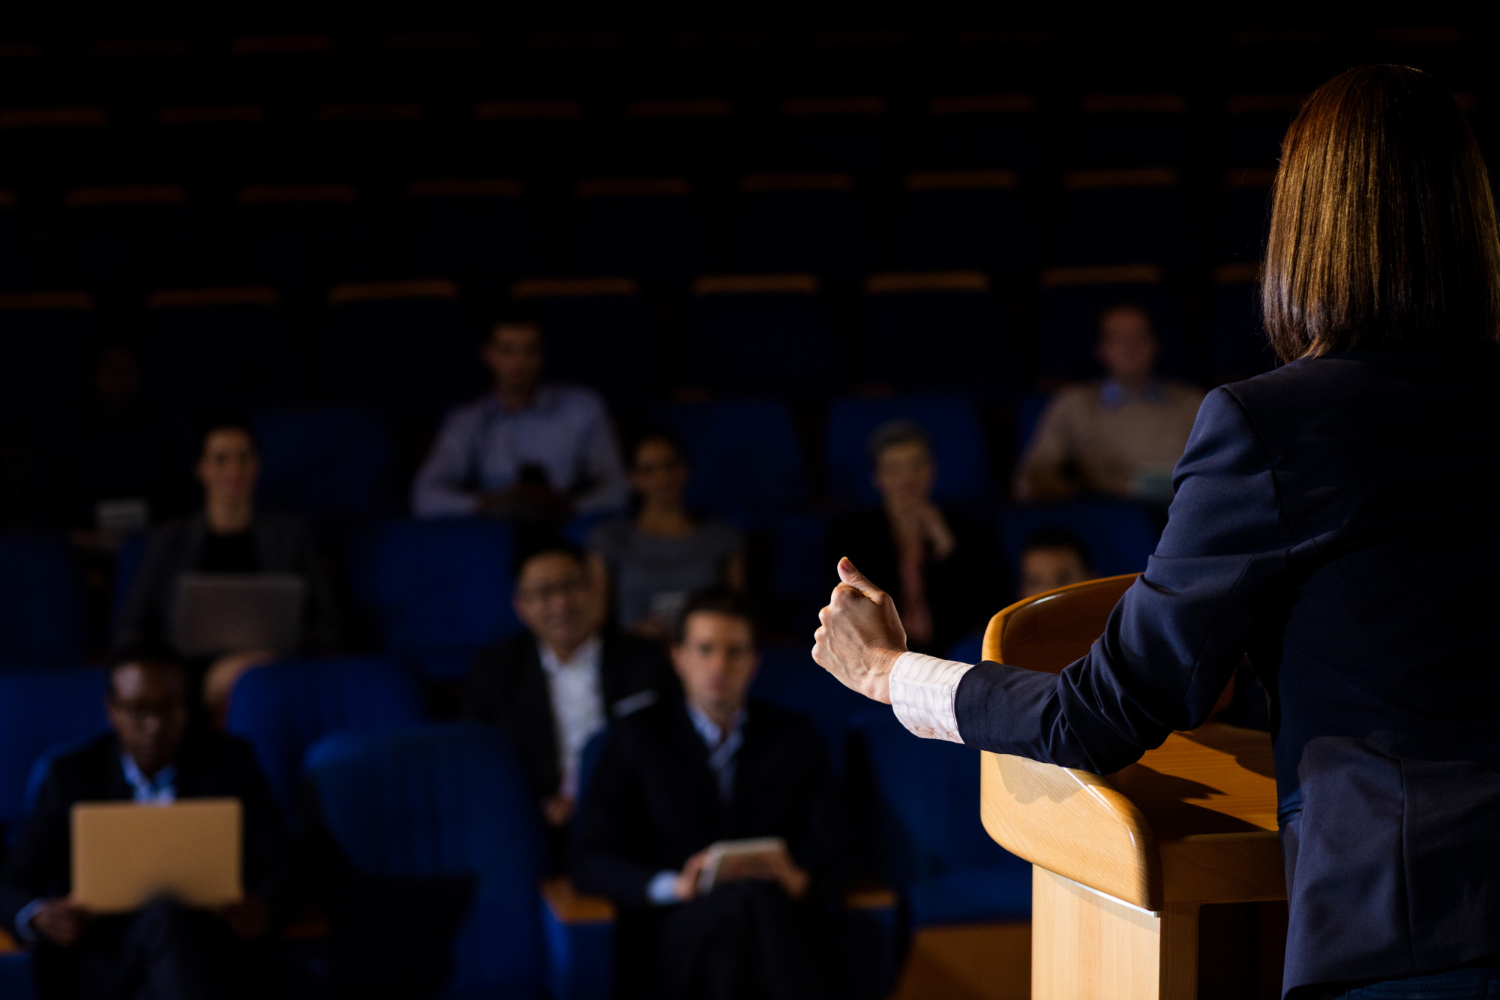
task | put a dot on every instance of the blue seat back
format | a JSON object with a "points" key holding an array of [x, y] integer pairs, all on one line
{"points": [[818, 231], [788, 677], [1125, 225], [1237, 344], [327, 460], [605, 340], [1120, 535], [302, 244], [744, 453], [646, 235], [479, 233], [963, 134], [41, 708], [1246, 218], [206, 356], [938, 339], [132, 245], [952, 423], [284, 708], [41, 602], [44, 346], [1068, 322], [434, 801], [953, 228], [436, 590], [403, 356], [779, 342], [16, 263], [1130, 138]]}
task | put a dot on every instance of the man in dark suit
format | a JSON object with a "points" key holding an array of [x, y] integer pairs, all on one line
{"points": [[555, 687], [164, 950], [685, 773]]}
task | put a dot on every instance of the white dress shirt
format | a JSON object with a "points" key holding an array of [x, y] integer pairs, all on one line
{"points": [[577, 704], [922, 691]]}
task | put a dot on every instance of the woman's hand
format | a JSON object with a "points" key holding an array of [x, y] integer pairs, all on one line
{"points": [[861, 635]]}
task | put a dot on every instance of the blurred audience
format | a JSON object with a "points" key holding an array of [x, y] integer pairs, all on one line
{"points": [[531, 451], [228, 536], [1121, 436], [933, 560], [654, 560], [557, 685], [165, 950], [683, 774], [1052, 557], [108, 467]]}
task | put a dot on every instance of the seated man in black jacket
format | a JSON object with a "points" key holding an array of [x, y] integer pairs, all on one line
{"points": [[553, 688], [683, 774], [164, 950]]}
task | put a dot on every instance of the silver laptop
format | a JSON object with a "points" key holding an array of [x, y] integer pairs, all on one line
{"points": [[238, 612]]}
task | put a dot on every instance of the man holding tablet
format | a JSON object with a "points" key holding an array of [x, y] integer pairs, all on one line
{"points": [[163, 948]]}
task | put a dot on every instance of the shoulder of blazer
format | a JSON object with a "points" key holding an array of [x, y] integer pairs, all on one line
{"points": [[92, 771]]}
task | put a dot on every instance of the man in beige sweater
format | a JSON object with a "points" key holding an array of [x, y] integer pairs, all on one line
{"points": [[1120, 436]]}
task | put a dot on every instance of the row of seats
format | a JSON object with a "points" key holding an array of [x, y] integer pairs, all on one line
{"points": [[484, 232], [433, 592], [702, 136], [406, 350]]}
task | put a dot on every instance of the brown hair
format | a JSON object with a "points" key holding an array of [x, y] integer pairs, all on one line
{"points": [[1383, 228]]}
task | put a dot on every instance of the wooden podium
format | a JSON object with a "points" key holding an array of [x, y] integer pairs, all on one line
{"points": [[1123, 864]]}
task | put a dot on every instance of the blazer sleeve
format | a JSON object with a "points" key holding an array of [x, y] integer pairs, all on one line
{"points": [[1173, 641], [602, 862], [38, 865]]}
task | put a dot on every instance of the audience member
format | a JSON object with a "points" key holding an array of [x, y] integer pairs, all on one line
{"points": [[663, 554], [553, 688], [107, 467], [165, 950], [1121, 436], [1052, 557], [228, 536], [933, 560], [529, 450], [686, 773]]}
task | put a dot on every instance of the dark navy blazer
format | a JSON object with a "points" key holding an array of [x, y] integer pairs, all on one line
{"points": [[1338, 520]]}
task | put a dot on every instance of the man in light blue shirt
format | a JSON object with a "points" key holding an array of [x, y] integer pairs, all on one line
{"points": [[527, 450]]}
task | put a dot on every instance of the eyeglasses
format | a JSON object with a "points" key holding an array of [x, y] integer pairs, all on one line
{"points": [[547, 591]]}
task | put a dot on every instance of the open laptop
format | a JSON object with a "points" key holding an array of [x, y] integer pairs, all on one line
{"points": [[238, 612], [126, 854]]}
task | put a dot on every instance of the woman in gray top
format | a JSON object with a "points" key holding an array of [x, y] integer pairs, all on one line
{"points": [[655, 559]]}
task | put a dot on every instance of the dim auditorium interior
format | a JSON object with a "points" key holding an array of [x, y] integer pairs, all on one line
{"points": [[772, 239]]}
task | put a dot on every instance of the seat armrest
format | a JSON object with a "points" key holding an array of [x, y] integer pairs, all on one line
{"points": [[8, 944], [569, 906], [580, 932]]}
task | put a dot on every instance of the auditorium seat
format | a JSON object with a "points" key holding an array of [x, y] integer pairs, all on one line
{"points": [[214, 146], [536, 140], [216, 350], [301, 238], [696, 136], [967, 132], [129, 238], [965, 219], [1254, 126], [952, 423], [434, 592], [801, 575], [17, 974], [374, 141], [16, 270], [1246, 217], [1124, 217], [849, 134], [599, 332], [936, 330], [45, 338], [480, 233], [1237, 345], [326, 463], [744, 454], [1130, 130], [284, 708], [788, 677], [41, 602], [769, 333], [1120, 534], [41, 710], [640, 227], [928, 840], [1068, 319], [437, 821], [802, 222], [46, 149], [403, 349]]}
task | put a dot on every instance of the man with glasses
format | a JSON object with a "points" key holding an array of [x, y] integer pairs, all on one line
{"points": [[151, 755], [555, 687]]}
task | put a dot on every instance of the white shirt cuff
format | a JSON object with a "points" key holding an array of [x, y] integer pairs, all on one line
{"points": [[662, 889], [922, 690]]}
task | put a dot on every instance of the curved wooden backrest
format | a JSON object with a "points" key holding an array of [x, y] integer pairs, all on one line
{"points": [[1069, 822]]}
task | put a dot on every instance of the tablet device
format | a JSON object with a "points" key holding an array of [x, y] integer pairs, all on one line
{"points": [[727, 855], [238, 612], [126, 854]]}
